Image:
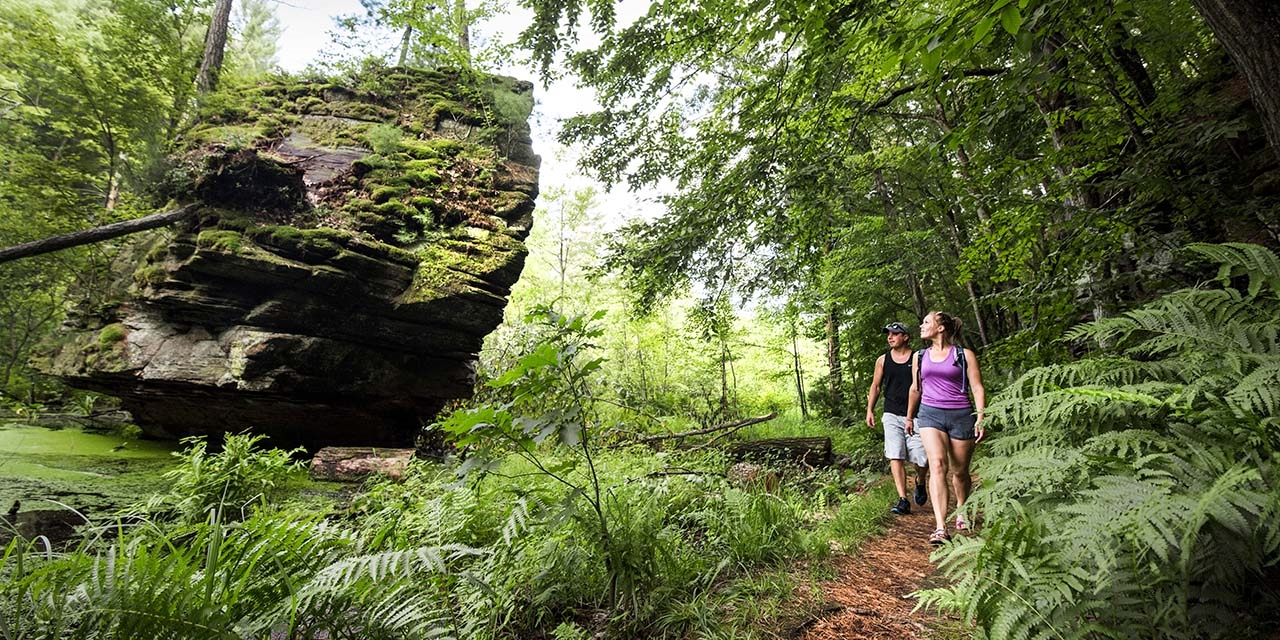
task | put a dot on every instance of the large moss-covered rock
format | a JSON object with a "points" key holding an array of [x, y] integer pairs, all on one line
{"points": [[357, 241]]}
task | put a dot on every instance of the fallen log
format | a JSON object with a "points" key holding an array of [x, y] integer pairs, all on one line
{"points": [[727, 428], [97, 234], [813, 451]]}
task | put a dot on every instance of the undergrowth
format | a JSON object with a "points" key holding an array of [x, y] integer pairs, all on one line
{"points": [[537, 533], [1135, 493]]}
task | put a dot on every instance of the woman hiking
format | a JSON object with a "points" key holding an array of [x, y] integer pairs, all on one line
{"points": [[943, 374]]}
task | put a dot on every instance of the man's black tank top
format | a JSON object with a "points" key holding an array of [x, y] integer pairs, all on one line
{"points": [[897, 384]]}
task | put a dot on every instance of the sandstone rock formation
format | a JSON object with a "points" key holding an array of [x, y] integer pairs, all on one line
{"points": [[356, 241]]}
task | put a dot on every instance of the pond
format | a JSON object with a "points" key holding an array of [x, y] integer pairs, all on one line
{"points": [[94, 473]]}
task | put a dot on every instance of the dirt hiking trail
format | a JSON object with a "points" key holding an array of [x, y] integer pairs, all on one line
{"points": [[869, 599]]}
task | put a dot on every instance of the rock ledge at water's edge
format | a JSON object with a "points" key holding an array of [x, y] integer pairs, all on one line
{"points": [[356, 242]]}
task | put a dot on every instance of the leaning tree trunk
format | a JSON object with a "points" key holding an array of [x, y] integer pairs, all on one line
{"points": [[97, 234], [1250, 32], [406, 40], [215, 44], [814, 451]]}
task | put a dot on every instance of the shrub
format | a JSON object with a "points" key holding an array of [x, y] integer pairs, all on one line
{"points": [[384, 139], [237, 479]]}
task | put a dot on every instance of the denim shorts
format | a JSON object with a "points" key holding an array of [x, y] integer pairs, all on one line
{"points": [[957, 423], [898, 445]]}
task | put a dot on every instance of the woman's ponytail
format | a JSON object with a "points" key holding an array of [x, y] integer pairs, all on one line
{"points": [[951, 324]]}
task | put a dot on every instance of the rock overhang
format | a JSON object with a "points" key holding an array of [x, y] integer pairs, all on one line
{"points": [[356, 242]]}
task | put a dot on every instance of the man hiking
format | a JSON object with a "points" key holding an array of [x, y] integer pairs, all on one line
{"points": [[893, 372]]}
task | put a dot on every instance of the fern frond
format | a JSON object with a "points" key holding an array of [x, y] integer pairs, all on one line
{"points": [[1261, 265], [389, 565], [518, 521], [1126, 444], [1229, 502], [1259, 391], [401, 612]]}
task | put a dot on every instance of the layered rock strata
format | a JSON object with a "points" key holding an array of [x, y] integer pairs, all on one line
{"points": [[356, 242]]}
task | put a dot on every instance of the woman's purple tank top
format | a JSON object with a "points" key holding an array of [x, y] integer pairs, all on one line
{"points": [[940, 382]]}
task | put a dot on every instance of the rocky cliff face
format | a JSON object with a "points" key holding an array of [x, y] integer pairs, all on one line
{"points": [[356, 242]]}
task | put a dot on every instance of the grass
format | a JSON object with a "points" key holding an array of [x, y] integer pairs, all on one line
{"points": [[860, 517]]}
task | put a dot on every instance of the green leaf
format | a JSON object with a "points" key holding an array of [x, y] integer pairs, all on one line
{"points": [[544, 355], [1011, 20], [571, 433], [931, 60], [1023, 42], [983, 28]]}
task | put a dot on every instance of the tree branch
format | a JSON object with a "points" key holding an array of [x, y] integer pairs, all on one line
{"points": [[730, 427], [980, 72]]}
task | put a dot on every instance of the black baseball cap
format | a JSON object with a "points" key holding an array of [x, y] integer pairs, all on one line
{"points": [[896, 327]]}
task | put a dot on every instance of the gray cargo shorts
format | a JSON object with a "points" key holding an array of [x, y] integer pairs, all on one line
{"points": [[898, 445]]}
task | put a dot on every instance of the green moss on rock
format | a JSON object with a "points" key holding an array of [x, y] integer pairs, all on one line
{"points": [[111, 334], [386, 193], [150, 274], [224, 240]]}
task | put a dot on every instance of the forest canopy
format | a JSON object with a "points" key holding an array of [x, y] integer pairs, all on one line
{"points": [[1026, 164]]}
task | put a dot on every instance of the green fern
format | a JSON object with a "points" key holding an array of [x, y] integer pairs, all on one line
{"points": [[1135, 494], [1236, 258]]}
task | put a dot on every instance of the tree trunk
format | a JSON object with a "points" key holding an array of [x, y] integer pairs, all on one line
{"points": [[813, 451], [1131, 63], [1059, 107], [890, 215], [836, 379], [355, 464], [405, 41], [97, 234], [795, 361], [463, 26], [1250, 32], [215, 45]]}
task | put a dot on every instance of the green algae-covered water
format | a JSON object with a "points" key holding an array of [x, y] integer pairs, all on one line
{"points": [[93, 473]]}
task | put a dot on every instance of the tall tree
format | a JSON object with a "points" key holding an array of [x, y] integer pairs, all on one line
{"points": [[215, 44], [429, 32], [255, 32], [90, 94], [1029, 150]]}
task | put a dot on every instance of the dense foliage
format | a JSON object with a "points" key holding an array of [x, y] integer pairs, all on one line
{"points": [[508, 553], [1136, 492], [84, 115]]}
